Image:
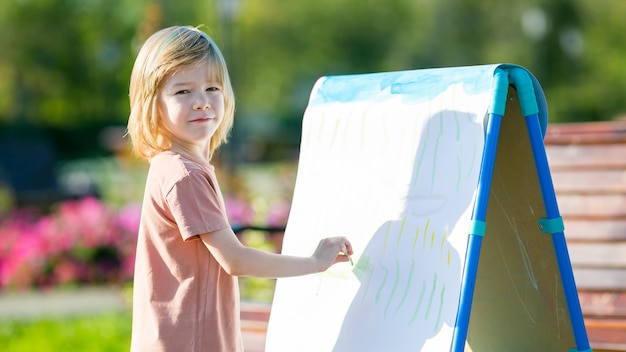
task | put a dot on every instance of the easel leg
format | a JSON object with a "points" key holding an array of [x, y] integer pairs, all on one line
{"points": [[558, 238]]}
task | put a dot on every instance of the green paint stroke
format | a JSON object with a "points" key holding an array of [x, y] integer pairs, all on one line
{"points": [[319, 285], [401, 230], [458, 126], [432, 296], [395, 286], [425, 233], [458, 173], [417, 235], [387, 231], [443, 291], [432, 240], [407, 289], [419, 303], [443, 242], [420, 159], [469, 171], [335, 131], [432, 181], [382, 285], [455, 113], [367, 283], [368, 270]]}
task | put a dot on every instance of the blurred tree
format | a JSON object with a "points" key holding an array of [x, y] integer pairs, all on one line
{"points": [[281, 48], [595, 88], [571, 46], [68, 60], [66, 63], [69, 64]]}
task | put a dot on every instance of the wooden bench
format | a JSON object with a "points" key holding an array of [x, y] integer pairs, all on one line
{"points": [[588, 166], [254, 320]]}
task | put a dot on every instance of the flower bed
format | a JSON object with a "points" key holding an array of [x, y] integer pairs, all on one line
{"points": [[79, 242], [85, 241], [92, 240]]}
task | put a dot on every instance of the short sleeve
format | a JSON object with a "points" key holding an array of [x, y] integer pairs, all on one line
{"points": [[197, 207]]}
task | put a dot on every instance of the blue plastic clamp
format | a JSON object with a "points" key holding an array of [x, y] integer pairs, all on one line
{"points": [[478, 228], [551, 225]]}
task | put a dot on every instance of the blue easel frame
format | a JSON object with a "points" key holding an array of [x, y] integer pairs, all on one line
{"points": [[553, 223]]}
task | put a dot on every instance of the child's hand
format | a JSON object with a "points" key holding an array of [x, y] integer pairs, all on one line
{"points": [[332, 250]]}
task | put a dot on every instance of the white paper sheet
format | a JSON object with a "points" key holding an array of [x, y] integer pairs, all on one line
{"points": [[390, 160]]}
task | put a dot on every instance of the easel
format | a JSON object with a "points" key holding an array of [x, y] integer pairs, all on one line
{"points": [[393, 161], [552, 224]]}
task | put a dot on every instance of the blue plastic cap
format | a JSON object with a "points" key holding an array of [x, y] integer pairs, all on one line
{"points": [[500, 89], [525, 90]]}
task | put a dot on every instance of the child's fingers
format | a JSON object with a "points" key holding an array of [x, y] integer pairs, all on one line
{"points": [[346, 246]]}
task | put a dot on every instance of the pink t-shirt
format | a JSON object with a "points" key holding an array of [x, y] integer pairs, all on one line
{"points": [[183, 300]]}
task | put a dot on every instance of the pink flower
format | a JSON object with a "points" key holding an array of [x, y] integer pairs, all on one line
{"points": [[240, 213], [278, 214], [68, 271], [81, 241], [128, 218], [88, 221], [25, 260]]}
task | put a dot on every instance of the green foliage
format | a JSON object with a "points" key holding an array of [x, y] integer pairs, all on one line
{"points": [[67, 62], [280, 49], [109, 332], [257, 289], [118, 182], [70, 61]]}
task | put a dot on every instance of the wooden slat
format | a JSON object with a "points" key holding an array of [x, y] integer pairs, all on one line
{"points": [[589, 181], [593, 206], [586, 133], [600, 279], [257, 312], [598, 303], [606, 334], [598, 255], [588, 167], [609, 206], [582, 230], [586, 156]]}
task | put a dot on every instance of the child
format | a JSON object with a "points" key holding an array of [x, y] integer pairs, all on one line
{"points": [[186, 295]]}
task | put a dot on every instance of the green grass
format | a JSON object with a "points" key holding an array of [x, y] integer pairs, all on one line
{"points": [[102, 332]]}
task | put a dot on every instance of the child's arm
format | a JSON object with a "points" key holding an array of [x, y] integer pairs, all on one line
{"points": [[239, 260]]}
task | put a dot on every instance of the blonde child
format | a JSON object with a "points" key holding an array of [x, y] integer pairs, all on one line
{"points": [[186, 296]]}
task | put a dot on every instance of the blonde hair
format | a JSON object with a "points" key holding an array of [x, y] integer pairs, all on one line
{"points": [[164, 53]]}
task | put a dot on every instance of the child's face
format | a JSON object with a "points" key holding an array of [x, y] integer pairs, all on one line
{"points": [[192, 107]]}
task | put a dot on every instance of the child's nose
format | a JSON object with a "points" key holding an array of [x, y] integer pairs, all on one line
{"points": [[202, 103]]}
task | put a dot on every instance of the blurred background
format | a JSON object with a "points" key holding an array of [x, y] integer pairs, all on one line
{"points": [[65, 169], [65, 68]]}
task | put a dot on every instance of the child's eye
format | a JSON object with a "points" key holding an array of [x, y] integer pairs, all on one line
{"points": [[183, 91], [213, 89]]}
